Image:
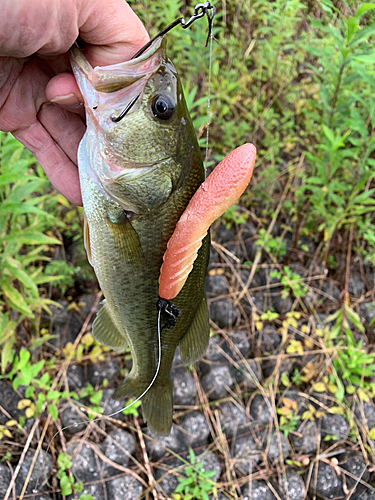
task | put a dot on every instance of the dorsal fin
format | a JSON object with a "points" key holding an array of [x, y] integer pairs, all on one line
{"points": [[195, 341]]}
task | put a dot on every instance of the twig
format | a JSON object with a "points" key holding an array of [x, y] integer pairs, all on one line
{"points": [[35, 457], [17, 469]]}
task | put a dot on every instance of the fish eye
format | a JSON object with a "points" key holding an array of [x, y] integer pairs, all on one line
{"points": [[163, 106]]}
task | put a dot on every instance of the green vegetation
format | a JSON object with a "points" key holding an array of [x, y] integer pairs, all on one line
{"points": [[197, 484]]}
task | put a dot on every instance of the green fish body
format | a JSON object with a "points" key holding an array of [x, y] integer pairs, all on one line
{"points": [[137, 176]]}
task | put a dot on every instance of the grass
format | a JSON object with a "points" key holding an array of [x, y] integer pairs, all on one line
{"points": [[296, 78]]}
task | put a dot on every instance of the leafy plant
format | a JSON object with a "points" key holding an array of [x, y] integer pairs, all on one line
{"points": [[39, 392], [292, 282], [132, 410], [289, 417], [352, 363], [95, 397], [197, 484], [25, 231], [335, 190], [66, 479], [274, 245]]}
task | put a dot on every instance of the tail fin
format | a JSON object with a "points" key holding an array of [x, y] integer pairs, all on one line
{"points": [[157, 403], [157, 407]]}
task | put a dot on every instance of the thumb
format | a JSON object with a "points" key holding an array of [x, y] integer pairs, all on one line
{"points": [[112, 31]]}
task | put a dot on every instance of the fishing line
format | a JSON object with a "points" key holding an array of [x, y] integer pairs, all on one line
{"points": [[133, 402], [209, 97]]}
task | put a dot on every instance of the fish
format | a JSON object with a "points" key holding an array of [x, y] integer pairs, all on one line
{"points": [[139, 166]]}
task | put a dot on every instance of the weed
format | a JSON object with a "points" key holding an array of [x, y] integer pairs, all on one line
{"points": [[292, 283], [94, 396], [274, 245], [335, 191], [289, 417], [66, 479], [197, 484], [132, 410]]}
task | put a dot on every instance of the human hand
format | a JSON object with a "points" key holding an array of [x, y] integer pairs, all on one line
{"points": [[34, 70]]}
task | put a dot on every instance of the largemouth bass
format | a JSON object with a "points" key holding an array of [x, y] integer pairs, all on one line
{"points": [[139, 165]]}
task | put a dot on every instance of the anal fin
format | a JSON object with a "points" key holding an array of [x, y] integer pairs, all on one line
{"points": [[195, 341], [106, 332]]}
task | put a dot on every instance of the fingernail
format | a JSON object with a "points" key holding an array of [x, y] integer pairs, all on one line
{"points": [[69, 99]]}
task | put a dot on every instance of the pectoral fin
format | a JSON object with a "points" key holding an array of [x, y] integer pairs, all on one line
{"points": [[195, 341], [86, 240], [106, 332]]}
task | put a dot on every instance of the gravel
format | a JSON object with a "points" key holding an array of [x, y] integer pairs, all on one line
{"points": [[5, 477], [260, 410], [245, 454], [72, 420], [355, 285], [282, 306], [355, 464], [40, 473], [247, 375], [210, 463], [86, 467], [75, 376], [325, 482], [233, 419], [98, 372], [117, 446], [365, 414], [124, 488], [334, 425], [257, 490], [66, 325], [156, 448], [9, 401], [217, 381], [272, 445], [184, 387], [195, 429], [216, 285], [111, 406], [367, 312], [308, 442], [224, 235], [168, 482], [267, 340], [223, 313], [292, 486]]}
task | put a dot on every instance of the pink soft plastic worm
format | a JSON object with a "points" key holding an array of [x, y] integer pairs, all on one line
{"points": [[217, 193]]}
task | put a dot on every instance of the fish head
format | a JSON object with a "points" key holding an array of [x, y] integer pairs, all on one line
{"points": [[131, 150]]}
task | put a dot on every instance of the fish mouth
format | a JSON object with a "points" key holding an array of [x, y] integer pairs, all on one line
{"points": [[108, 79]]}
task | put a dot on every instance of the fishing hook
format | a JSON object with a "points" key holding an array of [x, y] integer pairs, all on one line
{"points": [[116, 119], [200, 10]]}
